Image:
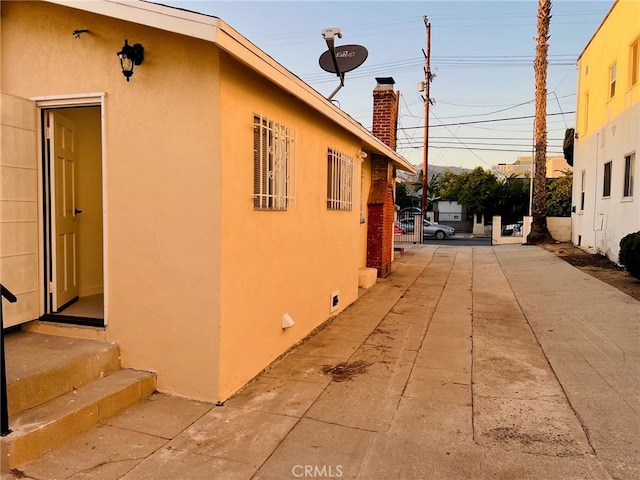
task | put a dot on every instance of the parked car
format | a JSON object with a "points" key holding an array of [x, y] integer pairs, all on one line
{"points": [[437, 230], [514, 229], [406, 224], [429, 229]]}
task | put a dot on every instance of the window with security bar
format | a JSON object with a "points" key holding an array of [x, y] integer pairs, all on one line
{"points": [[339, 181], [273, 164]]}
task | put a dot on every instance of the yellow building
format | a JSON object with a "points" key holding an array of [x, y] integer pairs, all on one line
{"points": [[206, 201], [522, 167], [606, 168]]}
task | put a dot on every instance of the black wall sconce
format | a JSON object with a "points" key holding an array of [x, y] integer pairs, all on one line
{"points": [[130, 55]]}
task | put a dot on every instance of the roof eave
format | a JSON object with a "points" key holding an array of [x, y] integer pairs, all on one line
{"points": [[215, 30]]}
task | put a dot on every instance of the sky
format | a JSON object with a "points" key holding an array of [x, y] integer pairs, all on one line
{"points": [[481, 54]]}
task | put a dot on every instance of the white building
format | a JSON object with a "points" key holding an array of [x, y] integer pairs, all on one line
{"points": [[606, 203]]}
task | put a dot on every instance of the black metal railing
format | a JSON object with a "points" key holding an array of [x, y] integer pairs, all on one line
{"points": [[4, 293], [405, 228]]}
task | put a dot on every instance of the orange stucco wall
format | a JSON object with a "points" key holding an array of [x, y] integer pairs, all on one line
{"points": [[279, 262], [162, 197], [197, 281]]}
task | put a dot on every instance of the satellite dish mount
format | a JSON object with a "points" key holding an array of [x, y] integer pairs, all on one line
{"points": [[329, 35], [340, 60]]}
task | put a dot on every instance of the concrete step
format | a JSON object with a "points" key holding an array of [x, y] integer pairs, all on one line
{"points": [[49, 425], [42, 367]]}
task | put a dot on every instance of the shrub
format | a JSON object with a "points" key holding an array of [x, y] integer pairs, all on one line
{"points": [[630, 253]]}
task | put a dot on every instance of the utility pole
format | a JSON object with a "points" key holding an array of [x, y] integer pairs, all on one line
{"points": [[427, 102]]}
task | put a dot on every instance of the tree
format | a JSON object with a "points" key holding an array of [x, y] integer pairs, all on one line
{"points": [[418, 185], [539, 231], [513, 203], [438, 182], [559, 195], [567, 145], [403, 199], [476, 190]]}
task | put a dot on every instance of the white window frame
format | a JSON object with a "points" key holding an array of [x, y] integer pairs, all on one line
{"points": [[339, 180], [634, 62], [273, 164], [612, 79], [607, 177], [583, 187], [629, 167]]}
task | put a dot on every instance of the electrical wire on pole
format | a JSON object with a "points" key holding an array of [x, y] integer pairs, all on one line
{"points": [[427, 101]]}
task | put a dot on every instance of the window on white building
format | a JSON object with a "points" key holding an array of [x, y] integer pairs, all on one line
{"points": [[273, 164], [339, 181], [629, 166], [606, 186], [583, 186]]}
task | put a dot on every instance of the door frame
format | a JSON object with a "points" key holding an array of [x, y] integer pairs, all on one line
{"points": [[50, 102]]}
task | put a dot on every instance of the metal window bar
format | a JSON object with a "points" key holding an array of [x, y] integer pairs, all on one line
{"points": [[339, 181], [362, 219], [274, 156]]}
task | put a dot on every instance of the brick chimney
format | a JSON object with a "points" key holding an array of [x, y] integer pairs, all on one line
{"points": [[385, 111], [380, 202]]}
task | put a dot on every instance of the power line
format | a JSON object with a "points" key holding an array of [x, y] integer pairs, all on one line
{"points": [[374, 28], [414, 141], [462, 143], [489, 121], [449, 61], [472, 149], [480, 105], [495, 138]]}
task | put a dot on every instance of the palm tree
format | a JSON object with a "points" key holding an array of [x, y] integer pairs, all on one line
{"points": [[539, 231]]}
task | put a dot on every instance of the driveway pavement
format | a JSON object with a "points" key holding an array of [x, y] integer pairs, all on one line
{"points": [[465, 363]]}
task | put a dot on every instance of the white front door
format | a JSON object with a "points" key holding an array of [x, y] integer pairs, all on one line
{"points": [[62, 133]]}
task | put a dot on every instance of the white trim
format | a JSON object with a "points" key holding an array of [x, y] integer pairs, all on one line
{"points": [[155, 15], [72, 100], [76, 100]]}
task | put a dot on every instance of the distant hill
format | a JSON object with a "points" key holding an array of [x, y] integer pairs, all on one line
{"points": [[436, 169], [433, 170]]}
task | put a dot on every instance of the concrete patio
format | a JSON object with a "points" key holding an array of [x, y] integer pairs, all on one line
{"points": [[475, 362]]}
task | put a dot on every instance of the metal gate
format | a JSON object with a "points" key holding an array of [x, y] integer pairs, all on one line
{"points": [[405, 229]]}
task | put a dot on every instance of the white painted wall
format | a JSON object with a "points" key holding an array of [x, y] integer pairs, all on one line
{"points": [[496, 232], [601, 224], [449, 211]]}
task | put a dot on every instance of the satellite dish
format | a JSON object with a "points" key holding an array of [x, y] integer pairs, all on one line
{"points": [[349, 57]]}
